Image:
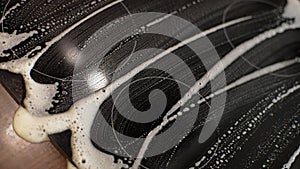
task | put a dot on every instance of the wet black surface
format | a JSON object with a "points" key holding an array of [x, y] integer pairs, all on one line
{"points": [[269, 145]]}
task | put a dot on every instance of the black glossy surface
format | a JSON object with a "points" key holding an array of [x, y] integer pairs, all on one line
{"points": [[257, 147]]}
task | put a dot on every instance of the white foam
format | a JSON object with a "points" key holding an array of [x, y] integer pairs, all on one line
{"points": [[251, 124], [252, 76], [3, 17], [292, 159], [83, 120], [224, 63], [36, 128], [239, 51], [8, 41]]}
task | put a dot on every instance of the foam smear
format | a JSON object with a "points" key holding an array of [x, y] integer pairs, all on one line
{"points": [[292, 159], [252, 76], [291, 11], [242, 80], [8, 41], [31, 127], [3, 17], [231, 142], [34, 125]]}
